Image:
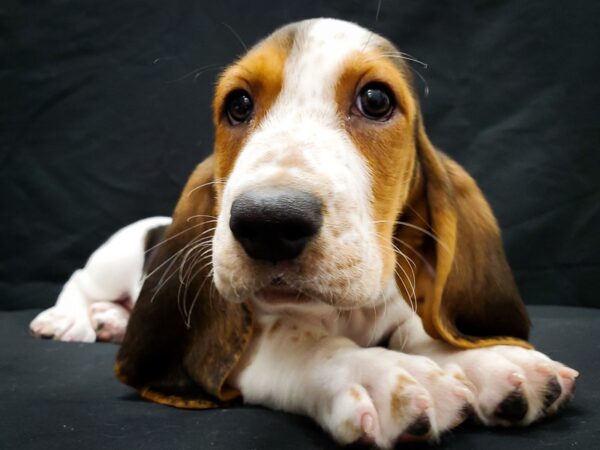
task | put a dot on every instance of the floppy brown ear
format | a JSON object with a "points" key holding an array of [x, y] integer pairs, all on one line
{"points": [[466, 291], [182, 339]]}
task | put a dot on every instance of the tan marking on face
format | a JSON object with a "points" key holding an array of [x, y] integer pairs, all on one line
{"points": [[388, 147], [260, 73]]}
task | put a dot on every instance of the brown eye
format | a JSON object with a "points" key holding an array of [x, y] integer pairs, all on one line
{"points": [[375, 102], [238, 106]]}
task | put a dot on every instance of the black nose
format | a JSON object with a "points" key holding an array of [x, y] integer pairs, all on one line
{"points": [[275, 224]]}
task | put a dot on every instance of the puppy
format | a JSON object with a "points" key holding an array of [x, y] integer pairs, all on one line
{"points": [[326, 260]]}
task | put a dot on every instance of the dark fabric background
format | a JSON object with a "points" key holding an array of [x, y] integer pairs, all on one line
{"points": [[104, 111]]}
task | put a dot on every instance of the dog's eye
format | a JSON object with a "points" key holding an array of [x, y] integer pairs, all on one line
{"points": [[375, 102], [238, 106]]}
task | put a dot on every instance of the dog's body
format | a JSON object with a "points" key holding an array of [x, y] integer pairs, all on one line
{"points": [[322, 168]]}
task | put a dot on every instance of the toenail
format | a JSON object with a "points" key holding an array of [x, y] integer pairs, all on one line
{"points": [[516, 379], [366, 423], [461, 392], [567, 372], [422, 402]]}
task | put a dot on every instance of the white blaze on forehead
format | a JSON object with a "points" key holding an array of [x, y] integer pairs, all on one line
{"points": [[315, 62]]}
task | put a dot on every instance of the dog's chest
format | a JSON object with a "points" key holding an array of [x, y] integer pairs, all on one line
{"points": [[367, 326]]}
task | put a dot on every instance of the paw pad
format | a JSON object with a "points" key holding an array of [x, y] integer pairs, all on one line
{"points": [[419, 427], [513, 408], [553, 392]]}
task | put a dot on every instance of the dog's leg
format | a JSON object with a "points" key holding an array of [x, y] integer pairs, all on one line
{"points": [[370, 394], [512, 385], [93, 303]]}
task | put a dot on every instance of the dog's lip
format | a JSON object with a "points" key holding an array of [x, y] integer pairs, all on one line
{"points": [[280, 294]]}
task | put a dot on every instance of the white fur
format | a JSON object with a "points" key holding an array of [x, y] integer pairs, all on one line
{"points": [[319, 358], [112, 273]]}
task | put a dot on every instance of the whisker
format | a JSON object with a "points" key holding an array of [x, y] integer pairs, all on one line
{"points": [[412, 266], [422, 78], [156, 269], [419, 254], [198, 272], [196, 244], [428, 233], [202, 252], [188, 319], [213, 219], [172, 237], [406, 57], [197, 72], [416, 227], [237, 36], [172, 259], [204, 185], [157, 289], [412, 285]]}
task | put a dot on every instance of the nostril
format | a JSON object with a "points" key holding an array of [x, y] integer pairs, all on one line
{"points": [[297, 230], [243, 229]]}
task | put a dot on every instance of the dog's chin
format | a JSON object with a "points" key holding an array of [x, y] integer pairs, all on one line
{"points": [[278, 295], [284, 297]]}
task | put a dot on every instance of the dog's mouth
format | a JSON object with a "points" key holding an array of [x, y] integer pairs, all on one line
{"points": [[278, 291]]}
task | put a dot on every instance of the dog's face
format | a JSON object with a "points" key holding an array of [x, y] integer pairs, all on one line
{"points": [[314, 156]]}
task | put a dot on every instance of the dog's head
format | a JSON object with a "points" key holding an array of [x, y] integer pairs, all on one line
{"points": [[314, 160], [325, 189]]}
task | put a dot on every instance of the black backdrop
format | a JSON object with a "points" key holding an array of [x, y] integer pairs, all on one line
{"points": [[104, 111]]}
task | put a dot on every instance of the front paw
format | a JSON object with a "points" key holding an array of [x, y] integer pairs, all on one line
{"points": [[391, 398], [516, 386], [62, 325], [109, 319]]}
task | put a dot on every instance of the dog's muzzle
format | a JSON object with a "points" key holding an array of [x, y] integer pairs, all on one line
{"points": [[275, 224]]}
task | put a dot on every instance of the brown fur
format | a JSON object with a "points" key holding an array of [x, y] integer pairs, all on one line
{"points": [[470, 299], [388, 147], [260, 73], [161, 357]]}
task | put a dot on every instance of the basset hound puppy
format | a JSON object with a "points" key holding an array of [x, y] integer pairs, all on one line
{"points": [[325, 260]]}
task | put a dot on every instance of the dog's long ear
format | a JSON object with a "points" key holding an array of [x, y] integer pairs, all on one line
{"points": [[182, 339], [466, 291]]}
